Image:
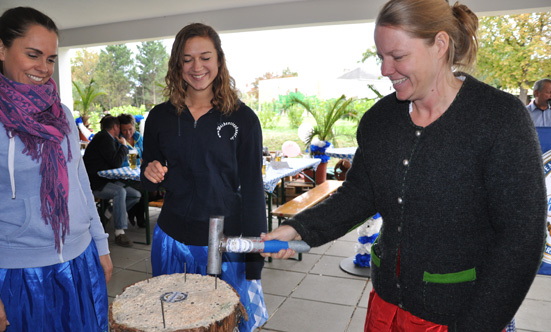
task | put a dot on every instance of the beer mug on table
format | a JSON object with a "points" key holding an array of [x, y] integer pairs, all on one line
{"points": [[133, 158], [278, 156]]}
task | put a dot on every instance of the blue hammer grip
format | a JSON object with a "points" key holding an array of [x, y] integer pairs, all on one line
{"points": [[274, 246]]}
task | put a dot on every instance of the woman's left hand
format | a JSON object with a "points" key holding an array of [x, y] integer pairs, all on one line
{"points": [[3, 318], [107, 265]]}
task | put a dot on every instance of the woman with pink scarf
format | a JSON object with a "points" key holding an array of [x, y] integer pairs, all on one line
{"points": [[54, 261]]}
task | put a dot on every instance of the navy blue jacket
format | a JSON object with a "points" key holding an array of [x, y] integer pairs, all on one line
{"points": [[214, 168], [103, 152]]}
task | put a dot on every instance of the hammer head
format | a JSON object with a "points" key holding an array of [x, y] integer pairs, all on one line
{"points": [[214, 259]]}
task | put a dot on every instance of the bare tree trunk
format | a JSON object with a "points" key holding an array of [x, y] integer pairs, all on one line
{"points": [[523, 95]]}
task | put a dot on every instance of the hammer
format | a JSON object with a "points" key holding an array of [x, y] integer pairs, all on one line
{"points": [[219, 244]]}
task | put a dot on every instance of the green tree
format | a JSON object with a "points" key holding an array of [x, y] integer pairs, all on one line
{"points": [[294, 113], [83, 66], [152, 61], [86, 96], [514, 51], [116, 76]]}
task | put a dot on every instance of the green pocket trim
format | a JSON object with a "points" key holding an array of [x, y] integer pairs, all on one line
{"points": [[376, 260], [451, 278]]}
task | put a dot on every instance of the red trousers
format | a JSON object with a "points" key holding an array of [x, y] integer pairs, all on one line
{"points": [[385, 317]]}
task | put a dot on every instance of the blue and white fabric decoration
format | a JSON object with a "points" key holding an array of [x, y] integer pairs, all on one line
{"points": [[318, 147], [82, 128], [368, 232]]}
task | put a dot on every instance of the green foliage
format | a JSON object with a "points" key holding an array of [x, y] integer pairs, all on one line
{"points": [[86, 96], [273, 138], [250, 101], [370, 53], [294, 113], [115, 111], [360, 106], [152, 62], [83, 66], [514, 50], [97, 116], [325, 114], [268, 116], [116, 74], [295, 116]]}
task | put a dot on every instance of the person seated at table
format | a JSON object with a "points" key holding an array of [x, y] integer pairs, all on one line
{"points": [[134, 140], [107, 151]]}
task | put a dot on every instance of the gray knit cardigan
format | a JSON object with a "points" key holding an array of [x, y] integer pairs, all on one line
{"points": [[463, 202]]}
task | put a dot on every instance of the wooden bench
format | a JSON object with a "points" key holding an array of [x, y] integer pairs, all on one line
{"points": [[306, 200], [157, 203]]}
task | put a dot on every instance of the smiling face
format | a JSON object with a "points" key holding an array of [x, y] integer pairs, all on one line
{"points": [[31, 58], [410, 63], [127, 130], [200, 63]]}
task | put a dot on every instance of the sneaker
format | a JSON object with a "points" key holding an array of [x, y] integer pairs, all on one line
{"points": [[123, 241]]}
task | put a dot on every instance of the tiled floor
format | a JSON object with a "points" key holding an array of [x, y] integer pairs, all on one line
{"points": [[313, 294]]}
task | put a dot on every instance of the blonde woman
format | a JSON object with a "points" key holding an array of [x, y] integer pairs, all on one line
{"points": [[454, 168]]}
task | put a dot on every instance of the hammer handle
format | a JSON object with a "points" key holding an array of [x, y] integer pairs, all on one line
{"points": [[274, 246], [245, 245]]}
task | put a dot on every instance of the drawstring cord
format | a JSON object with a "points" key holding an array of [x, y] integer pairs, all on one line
{"points": [[11, 164]]}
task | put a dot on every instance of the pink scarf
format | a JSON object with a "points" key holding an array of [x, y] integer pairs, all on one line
{"points": [[35, 115]]}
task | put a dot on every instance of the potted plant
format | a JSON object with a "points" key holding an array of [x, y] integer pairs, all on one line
{"points": [[87, 96], [326, 114]]}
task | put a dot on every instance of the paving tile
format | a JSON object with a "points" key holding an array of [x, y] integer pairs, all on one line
{"points": [[296, 315], [330, 265], [358, 320], [351, 236], [143, 265], [321, 249], [365, 296], [540, 289], [125, 257], [273, 302], [342, 248], [277, 282], [330, 289], [534, 315], [121, 280], [305, 265]]}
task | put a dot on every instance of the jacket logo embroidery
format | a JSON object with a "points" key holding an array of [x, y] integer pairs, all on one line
{"points": [[227, 124]]}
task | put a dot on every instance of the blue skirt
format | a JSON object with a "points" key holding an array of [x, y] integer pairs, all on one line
{"points": [[168, 256], [70, 296]]}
